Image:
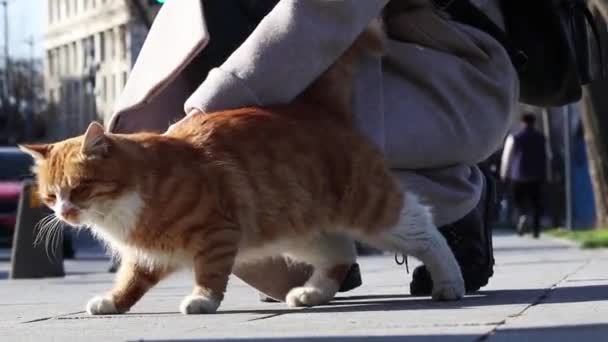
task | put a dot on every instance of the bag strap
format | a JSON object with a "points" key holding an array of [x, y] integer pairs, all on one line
{"points": [[596, 34], [467, 13]]}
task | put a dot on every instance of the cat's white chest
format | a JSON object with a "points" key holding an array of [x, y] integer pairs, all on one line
{"points": [[116, 219], [113, 221]]}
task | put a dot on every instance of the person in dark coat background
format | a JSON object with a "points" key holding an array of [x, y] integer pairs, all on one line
{"points": [[524, 166]]}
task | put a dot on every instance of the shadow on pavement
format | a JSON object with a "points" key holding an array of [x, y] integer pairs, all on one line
{"points": [[450, 338], [585, 332], [577, 333], [542, 262], [374, 303]]}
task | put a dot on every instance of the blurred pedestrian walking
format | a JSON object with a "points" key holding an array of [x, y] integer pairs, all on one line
{"points": [[523, 165]]}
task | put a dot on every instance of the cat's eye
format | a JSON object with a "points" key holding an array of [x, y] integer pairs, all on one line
{"points": [[49, 197], [80, 189], [87, 183]]}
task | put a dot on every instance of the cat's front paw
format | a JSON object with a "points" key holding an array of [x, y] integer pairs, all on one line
{"points": [[197, 304], [102, 306], [447, 291], [308, 296]]}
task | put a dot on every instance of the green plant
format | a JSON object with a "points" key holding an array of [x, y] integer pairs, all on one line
{"points": [[597, 238]]}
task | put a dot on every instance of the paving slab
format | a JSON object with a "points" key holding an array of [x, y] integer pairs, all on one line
{"points": [[542, 289], [574, 309]]}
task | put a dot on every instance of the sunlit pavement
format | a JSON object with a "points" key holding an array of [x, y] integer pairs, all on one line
{"points": [[543, 290]]}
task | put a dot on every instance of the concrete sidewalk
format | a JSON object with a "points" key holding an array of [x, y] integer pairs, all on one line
{"points": [[543, 290]]}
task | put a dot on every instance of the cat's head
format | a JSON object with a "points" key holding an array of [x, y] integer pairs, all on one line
{"points": [[83, 178]]}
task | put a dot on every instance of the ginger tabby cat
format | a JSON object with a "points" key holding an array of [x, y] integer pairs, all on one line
{"points": [[234, 186]]}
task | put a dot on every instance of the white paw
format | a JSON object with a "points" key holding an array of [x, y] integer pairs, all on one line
{"points": [[197, 304], [308, 296], [449, 290], [102, 306]]}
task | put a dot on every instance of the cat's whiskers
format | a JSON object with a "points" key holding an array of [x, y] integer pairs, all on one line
{"points": [[55, 237], [41, 228], [49, 230]]}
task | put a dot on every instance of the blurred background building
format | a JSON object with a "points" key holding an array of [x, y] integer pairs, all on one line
{"points": [[90, 46]]}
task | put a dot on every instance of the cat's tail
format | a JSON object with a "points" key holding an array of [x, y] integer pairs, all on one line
{"points": [[333, 90]]}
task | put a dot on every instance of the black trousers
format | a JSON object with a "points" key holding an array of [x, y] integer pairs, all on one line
{"points": [[527, 198]]}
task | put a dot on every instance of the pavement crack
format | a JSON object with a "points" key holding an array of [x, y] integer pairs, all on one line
{"points": [[52, 317], [266, 317], [536, 302]]}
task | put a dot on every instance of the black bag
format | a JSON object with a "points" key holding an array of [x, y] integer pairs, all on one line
{"points": [[549, 43]]}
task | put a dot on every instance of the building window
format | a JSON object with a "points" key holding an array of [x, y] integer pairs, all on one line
{"points": [[90, 50], [122, 40], [75, 98], [56, 67], [104, 89], [74, 53], [102, 46], [111, 44], [67, 8], [124, 79], [51, 66], [66, 60], [58, 60], [86, 50], [113, 86]]}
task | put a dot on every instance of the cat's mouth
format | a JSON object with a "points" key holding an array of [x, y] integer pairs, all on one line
{"points": [[71, 221], [71, 217], [83, 217]]}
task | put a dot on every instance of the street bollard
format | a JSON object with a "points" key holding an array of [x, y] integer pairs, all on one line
{"points": [[29, 260]]}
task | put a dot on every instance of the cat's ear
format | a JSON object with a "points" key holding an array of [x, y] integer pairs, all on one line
{"points": [[39, 152], [95, 142]]}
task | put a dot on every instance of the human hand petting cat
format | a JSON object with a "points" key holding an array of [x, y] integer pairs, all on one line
{"points": [[191, 113]]}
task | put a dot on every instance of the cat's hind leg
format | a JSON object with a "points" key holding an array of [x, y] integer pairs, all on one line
{"points": [[417, 235], [331, 255]]}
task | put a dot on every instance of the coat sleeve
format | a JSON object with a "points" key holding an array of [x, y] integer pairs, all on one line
{"points": [[290, 48]]}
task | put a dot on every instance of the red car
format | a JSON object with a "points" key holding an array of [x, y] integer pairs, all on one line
{"points": [[14, 168]]}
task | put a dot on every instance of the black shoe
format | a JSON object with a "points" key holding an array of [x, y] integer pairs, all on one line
{"points": [[114, 265], [522, 225], [351, 281], [470, 239]]}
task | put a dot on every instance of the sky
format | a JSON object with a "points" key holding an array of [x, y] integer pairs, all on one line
{"points": [[26, 19]]}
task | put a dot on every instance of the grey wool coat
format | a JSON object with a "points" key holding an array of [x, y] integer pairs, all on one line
{"points": [[438, 102]]}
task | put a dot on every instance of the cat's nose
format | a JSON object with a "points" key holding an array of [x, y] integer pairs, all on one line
{"points": [[69, 212]]}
